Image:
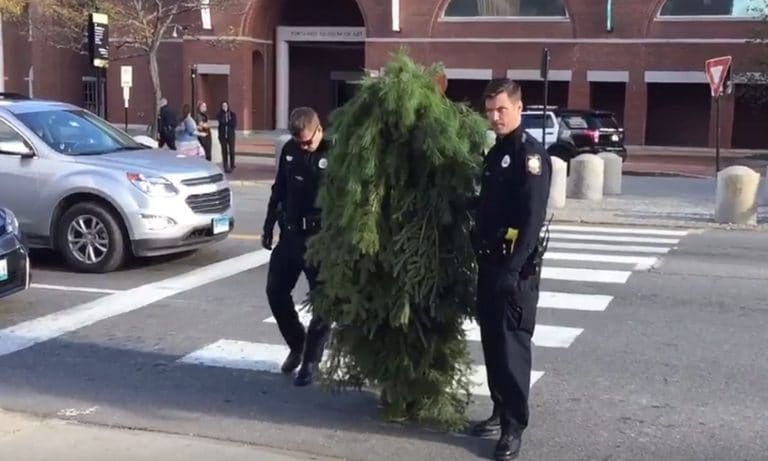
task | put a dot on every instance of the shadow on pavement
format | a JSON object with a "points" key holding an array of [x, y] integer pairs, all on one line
{"points": [[153, 391]]}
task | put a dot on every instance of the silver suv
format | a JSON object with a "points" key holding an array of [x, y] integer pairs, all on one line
{"points": [[81, 186]]}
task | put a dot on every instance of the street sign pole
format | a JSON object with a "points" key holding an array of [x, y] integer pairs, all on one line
{"points": [[126, 81], [717, 71], [545, 57], [717, 134]]}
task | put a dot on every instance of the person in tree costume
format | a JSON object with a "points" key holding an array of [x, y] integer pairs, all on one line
{"points": [[398, 272]]}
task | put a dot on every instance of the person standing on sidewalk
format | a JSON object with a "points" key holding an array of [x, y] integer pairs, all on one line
{"points": [[510, 215], [294, 196], [166, 126], [227, 125], [202, 126]]}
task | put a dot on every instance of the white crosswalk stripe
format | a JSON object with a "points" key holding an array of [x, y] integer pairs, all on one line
{"points": [[622, 250]]}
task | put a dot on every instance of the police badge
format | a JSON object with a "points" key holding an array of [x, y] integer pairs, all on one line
{"points": [[533, 163]]}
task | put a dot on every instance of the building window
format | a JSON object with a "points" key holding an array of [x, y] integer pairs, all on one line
{"points": [[733, 8], [89, 94], [505, 8]]}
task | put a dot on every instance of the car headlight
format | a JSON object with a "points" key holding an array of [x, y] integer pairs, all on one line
{"points": [[11, 223], [156, 186]]}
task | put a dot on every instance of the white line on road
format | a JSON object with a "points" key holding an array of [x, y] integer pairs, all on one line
{"points": [[610, 238], [79, 289], [608, 247], [640, 262], [574, 301], [27, 334], [543, 336], [617, 230], [244, 355], [479, 380], [585, 275]]}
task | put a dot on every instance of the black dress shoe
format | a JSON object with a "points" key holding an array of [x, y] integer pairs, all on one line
{"points": [[488, 427], [291, 362], [508, 447], [306, 374]]}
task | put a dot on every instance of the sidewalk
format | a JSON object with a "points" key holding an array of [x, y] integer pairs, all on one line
{"points": [[641, 160], [28, 438]]}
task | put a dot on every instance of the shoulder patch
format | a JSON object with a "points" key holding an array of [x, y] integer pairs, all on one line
{"points": [[533, 164]]}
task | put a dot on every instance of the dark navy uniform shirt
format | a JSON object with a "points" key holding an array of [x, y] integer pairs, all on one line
{"points": [[514, 193], [297, 182]]}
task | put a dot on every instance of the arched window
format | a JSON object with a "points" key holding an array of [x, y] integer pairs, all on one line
{"points": [[505, 8], [733, 8]]}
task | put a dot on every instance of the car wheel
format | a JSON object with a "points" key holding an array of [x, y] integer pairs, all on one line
{"points": [[90, 239]]}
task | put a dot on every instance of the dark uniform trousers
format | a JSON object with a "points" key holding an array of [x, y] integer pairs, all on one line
{"points": [[286, 264], [507, 322]]}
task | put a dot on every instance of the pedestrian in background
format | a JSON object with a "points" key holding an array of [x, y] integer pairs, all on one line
{"points": [[509, 218], [203, 127], [188, 134], [166, 126], [294, 196], [227, 125]]}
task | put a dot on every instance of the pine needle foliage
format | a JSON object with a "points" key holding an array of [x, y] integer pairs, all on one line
{"points": [[397, 270]]}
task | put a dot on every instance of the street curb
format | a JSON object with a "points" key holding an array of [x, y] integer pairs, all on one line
{"points": [[761, 226], [666, 174]]}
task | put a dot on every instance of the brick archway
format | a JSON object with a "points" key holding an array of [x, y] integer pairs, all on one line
{"points": [[262, 17]]}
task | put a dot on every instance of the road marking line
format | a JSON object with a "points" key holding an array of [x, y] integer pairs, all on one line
{"points": [[610, 238], [640, 262], [479, 380], [585, 275], [608, 247], [574, 301], [67, 288], [543, 336], [245, 236], [617, 230], [264, 357], [29, 333]]}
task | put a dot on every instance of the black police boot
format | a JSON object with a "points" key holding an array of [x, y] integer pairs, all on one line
{"points": [[488, 427], [508, 446], [306, 374], [291, 362]]}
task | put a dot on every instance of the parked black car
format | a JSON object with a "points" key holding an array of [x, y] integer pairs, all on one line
{"points": [[14, 260], [577, 131]]}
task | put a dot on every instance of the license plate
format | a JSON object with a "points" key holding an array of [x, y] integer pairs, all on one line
{"points": [[220, 224], [3, 270]]}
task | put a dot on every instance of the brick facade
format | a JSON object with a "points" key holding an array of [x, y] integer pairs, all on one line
{"points": [[649, 71]]}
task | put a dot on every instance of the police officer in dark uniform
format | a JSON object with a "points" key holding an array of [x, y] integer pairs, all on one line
{"points": [[510, 214], [293, 204]]}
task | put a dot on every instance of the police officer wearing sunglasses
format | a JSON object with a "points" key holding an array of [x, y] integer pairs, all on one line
{"points": [[293, 203]]}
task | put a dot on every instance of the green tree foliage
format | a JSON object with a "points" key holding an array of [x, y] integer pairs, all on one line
{"points": [[397, 269]]}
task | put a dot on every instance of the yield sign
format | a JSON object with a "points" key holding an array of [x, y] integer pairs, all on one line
{"points": [[717, 71]]}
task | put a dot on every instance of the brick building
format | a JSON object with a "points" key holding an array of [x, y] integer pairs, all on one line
{"points": [[643, 59]]}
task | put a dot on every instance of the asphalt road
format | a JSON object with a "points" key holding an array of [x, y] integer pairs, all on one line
{"points": [[649, 345]]}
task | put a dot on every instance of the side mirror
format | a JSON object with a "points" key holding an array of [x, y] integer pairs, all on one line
{"points": [[19, 148]]}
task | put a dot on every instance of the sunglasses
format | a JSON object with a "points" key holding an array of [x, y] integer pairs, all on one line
{"points": [[308, 142]]}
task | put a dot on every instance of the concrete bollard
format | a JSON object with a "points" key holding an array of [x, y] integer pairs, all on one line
{"points": [[736, 198], [586, 179], [612, 173], [215, 146], [559, 184], [279, 144]]}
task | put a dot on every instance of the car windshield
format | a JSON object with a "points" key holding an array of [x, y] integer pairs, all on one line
{"points": [[576, 122], [607, 121], [77, 132], [533, 121]]}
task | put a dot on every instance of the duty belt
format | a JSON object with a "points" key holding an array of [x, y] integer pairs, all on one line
{"points": [[305, 224]]}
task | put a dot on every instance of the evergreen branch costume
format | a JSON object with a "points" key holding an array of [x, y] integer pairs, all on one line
{"points": [[397, 269]]}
